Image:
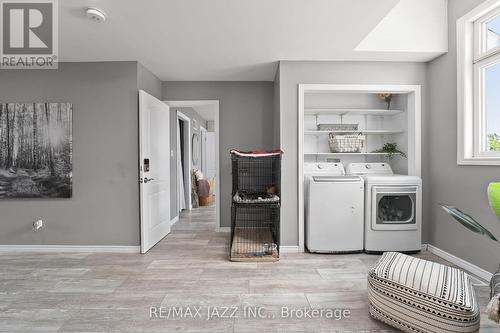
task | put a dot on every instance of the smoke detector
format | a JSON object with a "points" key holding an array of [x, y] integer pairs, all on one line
{"points": [[96, 15]]}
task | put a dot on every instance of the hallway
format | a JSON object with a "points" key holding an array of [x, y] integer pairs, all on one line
{"points": [[96, 292]]}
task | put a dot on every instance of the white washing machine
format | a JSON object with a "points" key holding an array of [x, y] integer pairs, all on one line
{"points": [[393, 208], [333, 209]]}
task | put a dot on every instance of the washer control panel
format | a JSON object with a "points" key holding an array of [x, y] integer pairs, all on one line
{"points": [[324, 168]]}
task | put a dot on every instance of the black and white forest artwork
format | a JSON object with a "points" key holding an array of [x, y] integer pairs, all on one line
{"points": [[36, 150]]}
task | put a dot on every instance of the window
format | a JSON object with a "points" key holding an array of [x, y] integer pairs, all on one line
{"points": [[478, 47], [493, 33]]}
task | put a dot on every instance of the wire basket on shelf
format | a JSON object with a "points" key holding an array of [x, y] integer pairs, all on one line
{"points": [[346, 143]]}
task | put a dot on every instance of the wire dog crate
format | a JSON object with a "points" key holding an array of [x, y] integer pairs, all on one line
{"points": [[255, 232], [256, 174], [255, 212]]}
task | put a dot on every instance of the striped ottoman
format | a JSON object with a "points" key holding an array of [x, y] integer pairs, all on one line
{"points": [[416, 295]]}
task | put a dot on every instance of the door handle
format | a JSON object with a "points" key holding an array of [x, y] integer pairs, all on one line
{"points": [[146, 179]]}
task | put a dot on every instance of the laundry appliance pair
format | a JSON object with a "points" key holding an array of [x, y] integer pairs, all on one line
{"points": [[362, 207]]}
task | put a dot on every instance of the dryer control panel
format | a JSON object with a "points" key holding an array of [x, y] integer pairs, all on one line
{"points": [[369, 169]]}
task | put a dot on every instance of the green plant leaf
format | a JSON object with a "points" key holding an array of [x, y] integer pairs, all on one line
{"points": [[391, 149], [467, 221], [494, 197]]}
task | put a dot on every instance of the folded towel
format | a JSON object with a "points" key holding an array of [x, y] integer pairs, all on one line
{"points": [[494, 195]]}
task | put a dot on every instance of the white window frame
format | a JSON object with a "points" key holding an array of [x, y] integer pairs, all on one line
{"points": [[472, 60]]}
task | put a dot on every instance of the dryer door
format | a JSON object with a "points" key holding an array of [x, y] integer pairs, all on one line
{"points": [[394, 207]]}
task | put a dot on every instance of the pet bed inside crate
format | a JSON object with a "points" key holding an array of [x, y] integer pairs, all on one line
{"points": [[255, 198], [253, 244]]}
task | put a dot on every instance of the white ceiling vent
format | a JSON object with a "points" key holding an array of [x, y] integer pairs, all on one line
{"points": [[96, 15]]}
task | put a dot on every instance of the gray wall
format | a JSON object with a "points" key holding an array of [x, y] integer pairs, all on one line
{"points": [[293, 73], [246, 121], [104, 209], [461, 186], [192, 114], [148, 82]]}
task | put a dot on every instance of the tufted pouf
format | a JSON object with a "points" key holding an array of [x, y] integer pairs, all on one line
{"points": [[416, 295]]}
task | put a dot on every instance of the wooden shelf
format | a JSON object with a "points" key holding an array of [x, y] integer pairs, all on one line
{"points": [[342, 112], [348, 154], [374, 132]]}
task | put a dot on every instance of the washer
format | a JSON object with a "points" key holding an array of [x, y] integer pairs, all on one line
{"points": [[334, 209], [393, 208]]}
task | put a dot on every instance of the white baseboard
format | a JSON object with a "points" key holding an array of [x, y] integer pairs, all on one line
{"points": [[69, 248], [289, 249], [224, 229], [463, 264], [174, 220]]}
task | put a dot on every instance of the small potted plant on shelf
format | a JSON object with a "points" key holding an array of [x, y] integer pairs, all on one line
{"points": [[387, 98], [493, 308], [391, 150]]}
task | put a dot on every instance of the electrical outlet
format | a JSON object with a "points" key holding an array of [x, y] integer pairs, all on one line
{"points": [[37, 225]]}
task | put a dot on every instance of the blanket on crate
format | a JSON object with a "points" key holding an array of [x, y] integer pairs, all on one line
{"points": [[256, 153], [255, 198]]}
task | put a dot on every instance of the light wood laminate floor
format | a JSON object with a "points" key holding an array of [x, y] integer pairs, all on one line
{"points": [[92, 292]]}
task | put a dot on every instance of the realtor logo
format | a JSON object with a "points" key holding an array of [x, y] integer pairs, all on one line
{"points": [[28, 34]]}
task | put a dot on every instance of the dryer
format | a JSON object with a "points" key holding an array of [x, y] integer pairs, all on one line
{"points": [[334, 209], [393, 208]]}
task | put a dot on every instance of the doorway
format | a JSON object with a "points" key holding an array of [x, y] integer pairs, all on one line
{"points": [[197, 155], [183, 165]]}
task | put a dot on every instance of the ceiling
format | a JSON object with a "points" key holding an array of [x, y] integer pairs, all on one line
{"points": [[243, 40]]}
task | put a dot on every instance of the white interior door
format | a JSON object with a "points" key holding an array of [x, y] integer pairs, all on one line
{"points": [[210, 154], [203, 145], [154, 163]]}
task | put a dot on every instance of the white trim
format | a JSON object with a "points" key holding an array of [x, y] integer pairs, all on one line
{"points": [[277, 77], [300, 184], [187, 190], [463, 264], [217, 167], [174, 220], [480, 30], [480, 117], [289, 249], [70, 248], [224, 229], [414, 130], [465, 86], [216, 104]]}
